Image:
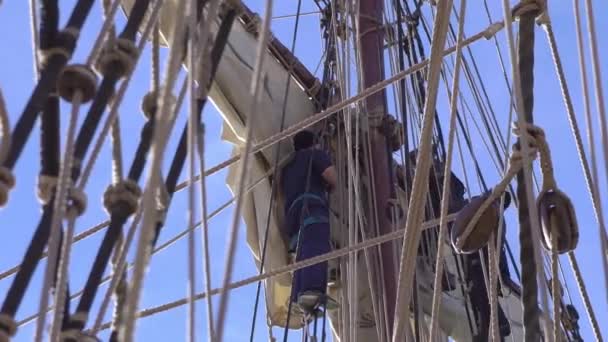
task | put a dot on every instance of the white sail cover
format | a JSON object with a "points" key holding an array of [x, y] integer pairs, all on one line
{"points": [[230, 94]]}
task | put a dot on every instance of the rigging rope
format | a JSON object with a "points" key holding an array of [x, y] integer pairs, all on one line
{"points": [[59, 207], [372, 242], [601, 114], [416, 205], [529, 227], [256, 79], [589, 181], [445, 196], [275, 183]]}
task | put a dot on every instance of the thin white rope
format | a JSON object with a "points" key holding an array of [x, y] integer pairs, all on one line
{"points": [[591, 141], [597, 81], [117, 99], [243, 168], [59, 208], [420, 184], [527, 167], [62, 278], [5, 130], [555, 283], [373, 242], [105, 224], [118, 271], [492, 284], [590, 181], [585, 296], [161, 131], [35, 39], [107, 27], [445, 196], [192, 135], [205, 232]]}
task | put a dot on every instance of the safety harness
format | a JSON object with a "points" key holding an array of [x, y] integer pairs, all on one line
{"points": [[309, 219]]}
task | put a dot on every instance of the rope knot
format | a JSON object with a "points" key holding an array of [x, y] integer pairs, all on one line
{"points": [[77, 202], [117, 56], [74, 78], [45, 188], [149, 104], [7, 325], [534, 136], [7, 182], [123, 196]]}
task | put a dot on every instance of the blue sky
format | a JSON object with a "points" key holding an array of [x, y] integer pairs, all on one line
{"points": [[166, 278]]}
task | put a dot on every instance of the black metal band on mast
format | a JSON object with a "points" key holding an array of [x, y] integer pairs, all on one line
{"points": [[53, 66], [64, 46], [527, 259]]}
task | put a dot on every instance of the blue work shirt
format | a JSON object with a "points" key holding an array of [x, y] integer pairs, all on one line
{"points": [[295, 181]]}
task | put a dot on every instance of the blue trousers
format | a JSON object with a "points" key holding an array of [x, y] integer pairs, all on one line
{"points": [[314, 240]]}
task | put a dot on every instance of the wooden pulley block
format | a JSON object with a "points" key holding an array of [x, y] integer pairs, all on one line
{"points": [[556, 214], [487, 223]]}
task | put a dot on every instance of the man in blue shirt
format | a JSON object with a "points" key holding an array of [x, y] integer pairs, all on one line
{"points": [[305, 182]]}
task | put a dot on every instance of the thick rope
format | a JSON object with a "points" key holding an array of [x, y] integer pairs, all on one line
{"points": [[555, 283], [420, 185], [529, 225], [445, 196], [193, 126], [585, 296], [492, 287], [59, 209], [398, 234], [107, 28], [161, 131], [256, 81]]}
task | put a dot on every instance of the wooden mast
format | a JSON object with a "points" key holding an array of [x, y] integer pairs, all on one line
{"points": [[371, 53]]}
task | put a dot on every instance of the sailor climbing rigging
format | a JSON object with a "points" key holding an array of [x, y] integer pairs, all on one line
{"points": [[305, 181]]}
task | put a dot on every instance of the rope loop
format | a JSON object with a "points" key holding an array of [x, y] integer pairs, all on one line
{"points": [[123, 196], [45, 188], [7, 182], [77, 202], [77, 77], [7, 325], [118, 56]]}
